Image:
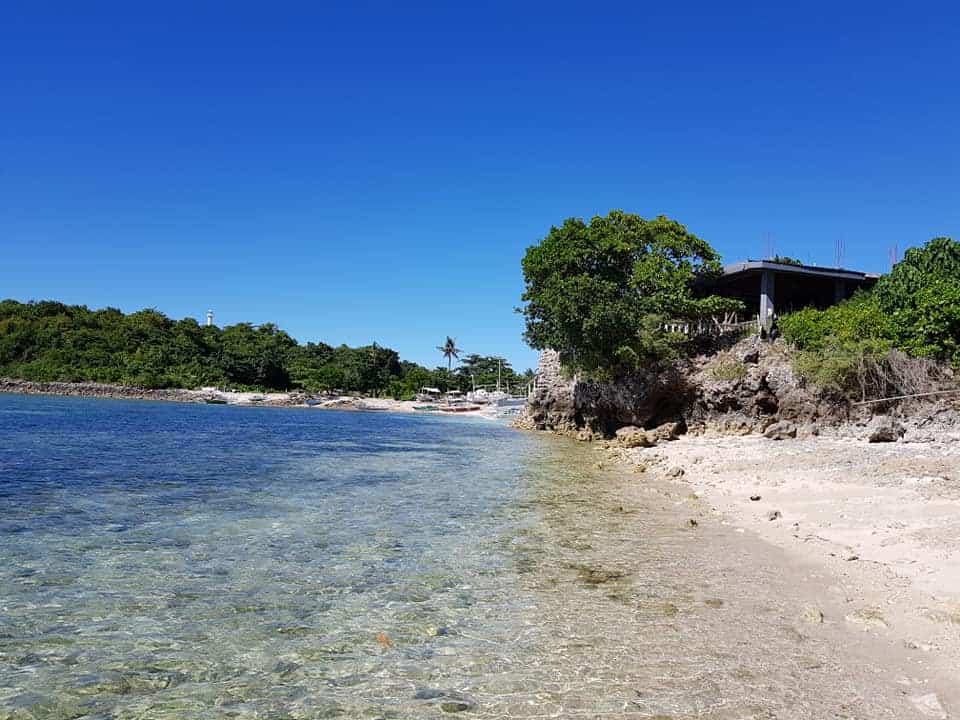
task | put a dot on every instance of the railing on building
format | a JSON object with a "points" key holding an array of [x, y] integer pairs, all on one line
{"points": [[713, 326]]}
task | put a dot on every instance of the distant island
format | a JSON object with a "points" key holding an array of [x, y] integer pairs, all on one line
{"points": [[48, 341]]}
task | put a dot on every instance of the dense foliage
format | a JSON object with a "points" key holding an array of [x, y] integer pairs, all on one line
{"points": [[599, 292], [922, 297], [50, 341], [915, 310]]}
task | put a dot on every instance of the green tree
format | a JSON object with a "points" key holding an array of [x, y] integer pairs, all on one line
{"points": [[484, 371], [450, 351], [920, 297], [598, 292], [50, 341], [785, 260], [938, 260]]}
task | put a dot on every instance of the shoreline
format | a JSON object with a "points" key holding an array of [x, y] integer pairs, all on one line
{"points": [[292, 400], [878, 523], [640, 591]]}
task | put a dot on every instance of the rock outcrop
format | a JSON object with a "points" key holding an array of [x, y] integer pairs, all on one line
{"points": [[135, 392], [749, 388], [97, 390], [572, 404], [884, 428], [551, 406]]}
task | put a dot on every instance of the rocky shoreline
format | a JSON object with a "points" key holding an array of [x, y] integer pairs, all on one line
{"points": [[749, 389], [866, 496], [133, 392]]}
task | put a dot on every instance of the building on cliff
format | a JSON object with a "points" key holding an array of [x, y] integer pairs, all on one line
{"points": [[768, 288]]}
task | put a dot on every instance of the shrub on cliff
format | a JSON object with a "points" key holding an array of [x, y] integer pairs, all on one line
{"points": [[874, 344], [598, 292], [915, 308], [856, 319]]}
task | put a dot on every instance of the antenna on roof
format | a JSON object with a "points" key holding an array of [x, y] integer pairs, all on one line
{"points": [[839, 251], [894, 253]]}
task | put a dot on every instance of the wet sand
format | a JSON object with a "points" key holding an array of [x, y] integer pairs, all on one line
{"points": [[866, 537]]}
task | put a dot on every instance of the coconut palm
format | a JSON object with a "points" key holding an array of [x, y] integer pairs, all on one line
{"points": [[450, 351]]}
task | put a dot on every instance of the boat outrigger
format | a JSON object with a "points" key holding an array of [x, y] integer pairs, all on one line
{"points": [[458, 407]]}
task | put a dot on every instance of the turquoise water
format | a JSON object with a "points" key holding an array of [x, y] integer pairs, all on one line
{"points": [[177, 558], [194, 561]]}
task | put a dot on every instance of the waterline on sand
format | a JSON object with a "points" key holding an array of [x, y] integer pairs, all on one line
{"points": [[203, 561]]}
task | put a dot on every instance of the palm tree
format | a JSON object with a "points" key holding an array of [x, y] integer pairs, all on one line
{"points": [[450, 351]]}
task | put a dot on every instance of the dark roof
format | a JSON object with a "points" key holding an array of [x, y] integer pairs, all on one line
{"points": [[756, 266]]}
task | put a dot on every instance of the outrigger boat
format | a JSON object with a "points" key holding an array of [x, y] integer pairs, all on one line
{"points": [[458, 408], [456, 403]]}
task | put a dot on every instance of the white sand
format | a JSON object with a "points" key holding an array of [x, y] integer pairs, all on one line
{"points": [[880, 521]]}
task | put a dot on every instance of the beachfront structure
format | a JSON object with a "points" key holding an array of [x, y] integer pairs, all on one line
{"points": [[769, 288]]}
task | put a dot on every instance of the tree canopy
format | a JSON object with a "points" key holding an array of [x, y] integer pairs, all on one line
{"points": [[921, 295], [785, 260], [486, 371], [598, 292], [49, 341]]}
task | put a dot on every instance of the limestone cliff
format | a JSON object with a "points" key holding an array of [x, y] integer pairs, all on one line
{"points": [[744, 389]]}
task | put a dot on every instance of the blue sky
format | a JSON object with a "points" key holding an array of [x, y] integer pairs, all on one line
{"points": [[372, 171]]}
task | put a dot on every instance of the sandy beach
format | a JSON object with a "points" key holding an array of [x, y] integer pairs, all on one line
{"points": [[879, 522], [293, 399]]}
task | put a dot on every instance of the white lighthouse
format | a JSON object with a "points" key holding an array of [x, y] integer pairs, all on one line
{"points": [[209, 318]]}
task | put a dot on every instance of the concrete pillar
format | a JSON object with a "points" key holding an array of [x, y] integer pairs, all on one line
{"points": [[766, 299]]}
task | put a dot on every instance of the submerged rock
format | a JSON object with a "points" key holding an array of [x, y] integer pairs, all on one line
{"points": [[812, 615], [869, 618], [591, 575]]}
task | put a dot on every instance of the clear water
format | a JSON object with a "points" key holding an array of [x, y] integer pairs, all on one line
{"points": [[191, 561]]}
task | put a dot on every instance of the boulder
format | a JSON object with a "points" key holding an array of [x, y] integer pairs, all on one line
{"points": [[632, 436], [781, 430], [667, 431], [884, 428], [798, 403]]}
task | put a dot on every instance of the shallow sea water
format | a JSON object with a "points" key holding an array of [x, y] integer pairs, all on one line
{"points": [[192, 561]]}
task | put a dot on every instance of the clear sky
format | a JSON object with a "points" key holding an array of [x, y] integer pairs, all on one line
{"points": [[375, 171]]}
